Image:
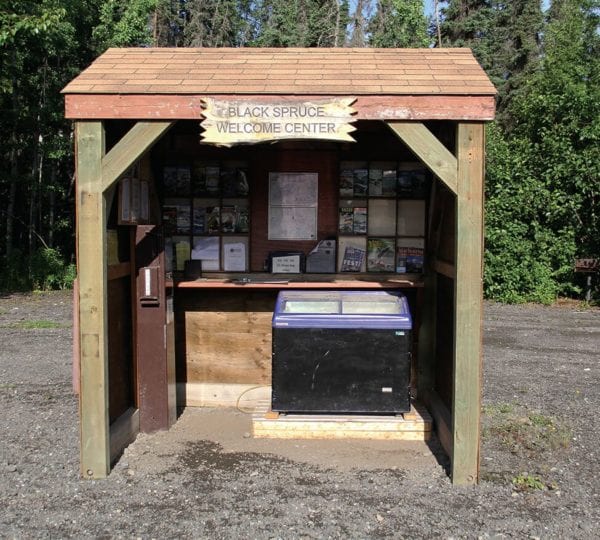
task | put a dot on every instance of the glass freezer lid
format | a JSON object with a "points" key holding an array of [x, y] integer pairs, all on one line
{"points": [[369, 304], [342, 309], [310, 306]]}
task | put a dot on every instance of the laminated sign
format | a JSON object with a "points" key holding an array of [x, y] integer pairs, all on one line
{"points": [[229, 122]]}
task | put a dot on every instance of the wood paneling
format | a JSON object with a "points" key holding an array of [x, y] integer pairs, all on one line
{"points": [[120, 351], [444, 339], [189, 107], [227, 336], [325, 164]]}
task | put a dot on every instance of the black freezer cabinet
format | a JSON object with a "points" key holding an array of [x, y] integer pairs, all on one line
{"points": [[341, 352]]}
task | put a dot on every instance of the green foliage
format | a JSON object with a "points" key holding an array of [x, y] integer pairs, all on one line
{"points": [[399, 23], [125, 24], [38, 324], [304, 23], [13, 272], [49, 271], [45, 270], [526, 260], [527, 482], [543, 175], [525, 434], [19, 19], [217, 24]]}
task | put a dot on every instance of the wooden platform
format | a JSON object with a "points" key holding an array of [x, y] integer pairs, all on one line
{"points": [[415, 425]]}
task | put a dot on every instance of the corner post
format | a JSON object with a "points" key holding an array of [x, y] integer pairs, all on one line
{"points": [[466, 405], [93, 334]]}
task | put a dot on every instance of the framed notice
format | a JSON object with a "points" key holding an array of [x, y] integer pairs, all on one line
{"points": [[293, 205]]}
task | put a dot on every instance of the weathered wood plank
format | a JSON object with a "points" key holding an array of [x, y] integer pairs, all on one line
{"points": [[130, 149], [445, 268], [415, 426], [228, 346], [189, 106], [469, 301], [93, 328], [123, 431], [229, 122], [442, 418], [249, 397], [429, 149], [120, 270], [306, 281]]}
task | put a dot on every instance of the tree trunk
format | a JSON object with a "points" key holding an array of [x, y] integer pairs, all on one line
{"points": [[51, 205], [12, 197]]}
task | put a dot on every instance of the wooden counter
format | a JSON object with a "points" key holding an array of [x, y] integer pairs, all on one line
{"points": [[300, 281], [224, 327]]}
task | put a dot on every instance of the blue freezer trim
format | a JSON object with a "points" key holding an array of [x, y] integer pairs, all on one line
{"points": [[388, 321]]}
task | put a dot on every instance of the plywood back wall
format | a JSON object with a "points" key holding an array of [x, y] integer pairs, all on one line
{"points": [[322, 162]]}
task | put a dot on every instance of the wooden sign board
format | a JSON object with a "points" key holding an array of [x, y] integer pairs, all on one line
{"points": [[587, 265], [229, 122]]}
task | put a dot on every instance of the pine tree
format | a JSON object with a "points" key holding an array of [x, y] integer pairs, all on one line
{"points": [[522, 23], [304, 23], [504, 37], [217, 23], [399, 23], [474, 24]]}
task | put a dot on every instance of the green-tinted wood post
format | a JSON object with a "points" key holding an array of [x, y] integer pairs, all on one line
{"points": [[468, 297], [91, 260]]}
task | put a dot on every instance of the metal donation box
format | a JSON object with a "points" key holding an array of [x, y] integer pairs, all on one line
{"points": [[341, 352]]}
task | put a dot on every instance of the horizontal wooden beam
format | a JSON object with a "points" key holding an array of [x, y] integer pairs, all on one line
{"points": [[429, 149], [129, 150], [189, 107], [118, 271]]}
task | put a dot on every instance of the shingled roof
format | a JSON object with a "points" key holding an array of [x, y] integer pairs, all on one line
{"points": [[310, 71]]}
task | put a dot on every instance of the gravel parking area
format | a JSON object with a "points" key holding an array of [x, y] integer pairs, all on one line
{"points": [[206, 478]]}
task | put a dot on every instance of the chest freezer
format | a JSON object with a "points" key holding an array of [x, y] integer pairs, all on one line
{"points": [[341, 352]]}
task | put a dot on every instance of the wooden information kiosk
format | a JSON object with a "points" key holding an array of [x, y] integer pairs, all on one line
{"points": [[210, 179]]}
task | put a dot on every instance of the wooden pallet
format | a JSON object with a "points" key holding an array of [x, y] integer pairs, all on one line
{"points": [[415, 425]]}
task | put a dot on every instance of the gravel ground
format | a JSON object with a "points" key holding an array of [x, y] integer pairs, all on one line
{"points": [[206, 478]]}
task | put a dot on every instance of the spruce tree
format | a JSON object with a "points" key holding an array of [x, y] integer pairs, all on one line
{"points": [[399, 23], [522, 23], [220, 23], [304, 23]]}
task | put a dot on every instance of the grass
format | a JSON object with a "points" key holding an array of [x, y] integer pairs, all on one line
{"points": [[528, 435], [38, 324], [525, 434]]}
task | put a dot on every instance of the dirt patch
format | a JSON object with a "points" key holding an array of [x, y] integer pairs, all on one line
{"points": [[207, 478]]}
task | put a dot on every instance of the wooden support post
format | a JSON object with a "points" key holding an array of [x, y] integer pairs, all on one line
{"points": [[91, 259], [130, 149], [466, 403], [428, 148]]}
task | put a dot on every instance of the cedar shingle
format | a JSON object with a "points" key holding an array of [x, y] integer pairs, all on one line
{"points": [[293, 71]]}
